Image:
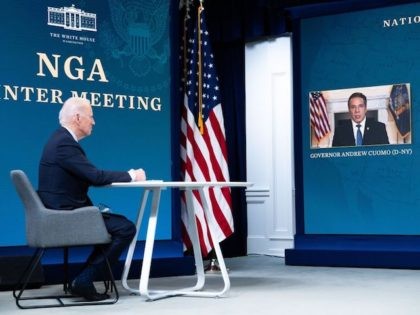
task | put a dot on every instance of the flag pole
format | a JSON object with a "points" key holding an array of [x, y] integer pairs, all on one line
{"points": [[200, 122], [213, 265], [203, 153], [184, 44]]}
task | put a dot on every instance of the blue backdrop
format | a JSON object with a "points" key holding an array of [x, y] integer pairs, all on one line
{"points": [[123, 66], [362, 194]]}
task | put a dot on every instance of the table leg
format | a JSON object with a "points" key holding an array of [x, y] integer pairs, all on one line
{"points": [[193, 233], [150, 238], [133, 244], [210, 217], [212, 222], [192, 229]]}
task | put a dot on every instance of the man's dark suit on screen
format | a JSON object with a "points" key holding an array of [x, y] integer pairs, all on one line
{"points": [[374, 133]]}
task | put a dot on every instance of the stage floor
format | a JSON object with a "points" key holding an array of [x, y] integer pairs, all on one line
{"points": [[265, 285]]}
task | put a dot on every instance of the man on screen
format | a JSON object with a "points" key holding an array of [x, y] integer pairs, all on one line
{"points": [[358, 130]]}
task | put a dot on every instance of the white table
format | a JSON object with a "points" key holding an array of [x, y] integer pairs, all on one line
{"points": [[156, 188]]}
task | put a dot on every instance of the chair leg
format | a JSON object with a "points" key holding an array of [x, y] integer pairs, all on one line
{"points": [[110, 281], [26, 275], [66, 281], [59, 299]]}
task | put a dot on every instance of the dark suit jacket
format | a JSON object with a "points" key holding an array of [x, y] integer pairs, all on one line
{"points": [[375, 133], [65, 173]]}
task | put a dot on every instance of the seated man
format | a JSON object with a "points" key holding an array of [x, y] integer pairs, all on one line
{"points": [[358, 130], [65, 174]]}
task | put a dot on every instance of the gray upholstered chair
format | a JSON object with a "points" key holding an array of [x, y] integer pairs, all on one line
{"points": [[49, 228]]}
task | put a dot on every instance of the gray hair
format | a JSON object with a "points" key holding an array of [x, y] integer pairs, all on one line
{"points": [[71, 107]]}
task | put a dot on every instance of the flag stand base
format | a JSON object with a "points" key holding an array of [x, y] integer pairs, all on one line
{"points": [[213, 267]]}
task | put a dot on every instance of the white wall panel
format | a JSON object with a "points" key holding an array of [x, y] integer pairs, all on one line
{"points": [[269, 146]]}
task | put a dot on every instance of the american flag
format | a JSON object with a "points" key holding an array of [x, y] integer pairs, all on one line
{"points": [[318, 113], [203, 142]]}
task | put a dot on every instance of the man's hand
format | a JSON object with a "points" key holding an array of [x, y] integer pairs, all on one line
{"points": [[140, 175]]}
